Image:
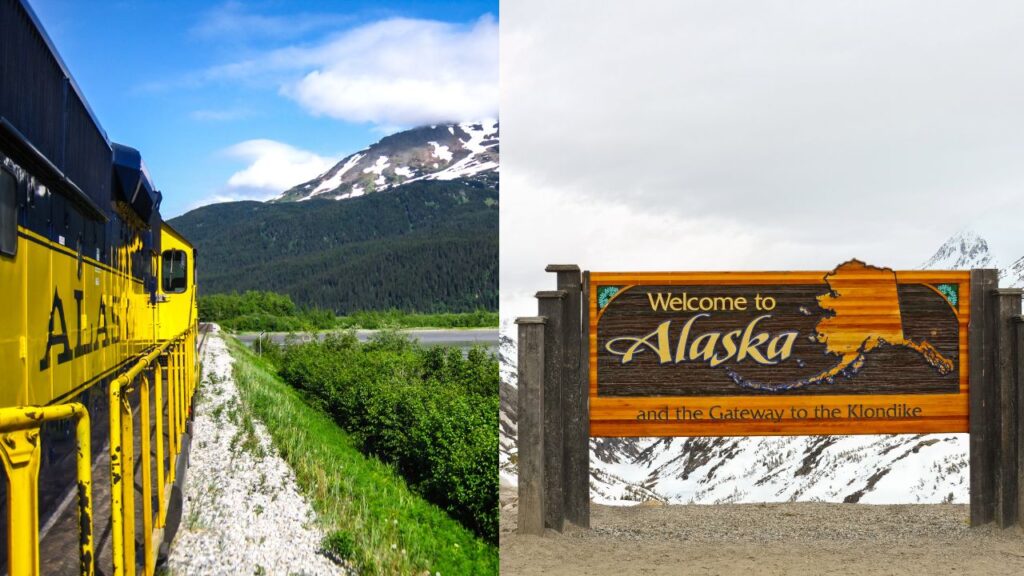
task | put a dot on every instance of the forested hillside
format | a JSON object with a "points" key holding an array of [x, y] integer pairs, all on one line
{"points": [[428, 246]]}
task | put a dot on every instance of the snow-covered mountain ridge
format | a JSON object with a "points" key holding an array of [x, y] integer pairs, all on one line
{"points": [[438, 152], [882, 469], [963, 251]]}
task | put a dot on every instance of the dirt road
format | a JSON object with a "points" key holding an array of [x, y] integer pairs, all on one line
{"points": [[755, 539]]}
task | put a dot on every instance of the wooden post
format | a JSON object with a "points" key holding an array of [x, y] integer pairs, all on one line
{"points": [[531, 426], [983, 397], [1020, 420], [1007, 308], [550, 305], [584, 375], [575, 435]]}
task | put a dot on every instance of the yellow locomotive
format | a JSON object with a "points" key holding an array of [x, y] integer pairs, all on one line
{"points": [[98, 330]]}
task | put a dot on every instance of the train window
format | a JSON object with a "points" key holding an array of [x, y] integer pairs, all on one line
{"points": [[8, 213], [174, 271]]}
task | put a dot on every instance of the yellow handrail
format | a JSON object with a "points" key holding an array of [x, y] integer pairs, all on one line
{"points": [[180, 387], [20, 452]]}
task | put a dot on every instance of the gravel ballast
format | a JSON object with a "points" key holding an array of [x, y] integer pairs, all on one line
{"points": [[243, 513], [805, 538]]}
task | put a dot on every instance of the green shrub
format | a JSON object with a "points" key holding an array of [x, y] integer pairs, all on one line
{"points": [[219, 307], [430, 412], [256, 310], [382, 319]]}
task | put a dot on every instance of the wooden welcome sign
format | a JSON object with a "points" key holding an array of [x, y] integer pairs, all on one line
{"points": [[858, 350]]}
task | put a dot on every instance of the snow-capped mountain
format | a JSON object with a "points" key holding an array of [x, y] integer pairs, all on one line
{"points": [[923, 468], [967, 249], [438, 152], [963, 251]]}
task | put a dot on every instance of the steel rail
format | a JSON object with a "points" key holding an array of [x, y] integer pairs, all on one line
{"points": [[122, 453]]}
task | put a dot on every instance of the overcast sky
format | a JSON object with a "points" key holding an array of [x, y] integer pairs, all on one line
{"points": [[755, 135]]}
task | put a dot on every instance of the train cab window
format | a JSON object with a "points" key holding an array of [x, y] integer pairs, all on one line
{"points": [[8, 213], [174, 271]]}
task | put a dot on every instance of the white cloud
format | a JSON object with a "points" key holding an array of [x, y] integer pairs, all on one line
{"points": [[401, 72], [233, 20], [273, 167]]}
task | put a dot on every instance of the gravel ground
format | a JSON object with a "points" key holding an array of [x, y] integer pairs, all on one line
{"points": [[243, 513], [746, 539]]}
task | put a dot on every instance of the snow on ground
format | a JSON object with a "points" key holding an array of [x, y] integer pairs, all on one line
{"points": [[357, 190], [871, 469], [441, 152], [243, 513], [378, 166], [378, 169], [471, 164], [335, 180]]}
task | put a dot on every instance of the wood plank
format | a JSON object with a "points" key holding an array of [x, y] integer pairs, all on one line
{"points": [[1020, 420], [913, 315], [893, 373], [550, 305], [530, 439], [945, 405], [949, 409], [1007, 305], [788, 277], [575, 421], [584, 383], [631, 428], [982, 397]]}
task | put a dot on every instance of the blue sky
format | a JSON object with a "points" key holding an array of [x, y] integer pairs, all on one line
{"points": [[236, 100]]}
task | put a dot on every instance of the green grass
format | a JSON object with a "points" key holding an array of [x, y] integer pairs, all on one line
{"points": [[364, 507], [371, 320]]}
